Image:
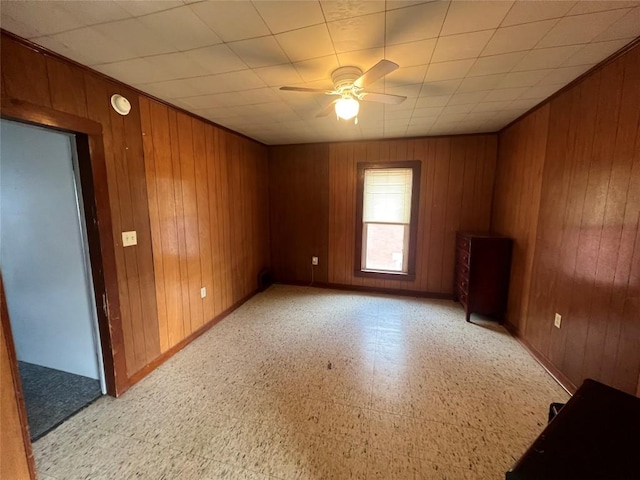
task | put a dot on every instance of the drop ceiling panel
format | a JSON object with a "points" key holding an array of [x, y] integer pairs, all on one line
{"points": [[465, 66]]}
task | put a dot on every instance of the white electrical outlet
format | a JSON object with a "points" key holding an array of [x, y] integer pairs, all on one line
{"points": [[314, 260], [129, 238], [558, 320], [203, 292]]}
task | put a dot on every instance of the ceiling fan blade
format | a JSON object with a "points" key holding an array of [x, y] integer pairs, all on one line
{"points": [[383, 98], [305, 89], [326, 110], [379, 70]]}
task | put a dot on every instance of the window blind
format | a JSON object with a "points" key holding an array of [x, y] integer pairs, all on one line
{"points": [[387, 195]]}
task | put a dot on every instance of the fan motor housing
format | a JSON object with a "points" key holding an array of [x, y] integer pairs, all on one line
{"points": [[345, 76]]}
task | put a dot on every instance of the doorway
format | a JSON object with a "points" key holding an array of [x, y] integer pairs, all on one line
{"points": [[46, 267]]}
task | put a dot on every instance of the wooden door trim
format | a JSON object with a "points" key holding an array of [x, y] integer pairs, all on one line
{"points": [[93, 174], [17, 385]]}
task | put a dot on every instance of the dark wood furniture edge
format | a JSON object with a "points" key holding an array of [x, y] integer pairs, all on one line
{"points": [[100, 238], [557, 375], [17, 384], [155, 363], [45, 51]]}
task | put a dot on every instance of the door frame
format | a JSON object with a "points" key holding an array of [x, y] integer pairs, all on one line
{"points": [[97, 210]]}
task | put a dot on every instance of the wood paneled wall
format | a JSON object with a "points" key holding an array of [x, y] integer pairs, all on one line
{"points": [[208, 202], [516, 199], [455, 193], [586, 257], [45, 81], [195, 193], [299, 202]]}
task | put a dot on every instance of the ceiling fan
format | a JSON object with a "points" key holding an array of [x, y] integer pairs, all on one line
{"points": [[349, 85]]}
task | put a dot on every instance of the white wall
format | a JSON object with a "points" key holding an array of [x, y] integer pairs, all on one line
{"points": [[42, 251]]}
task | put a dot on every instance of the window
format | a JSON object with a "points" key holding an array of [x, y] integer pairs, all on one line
{"points": [[387, 212]]}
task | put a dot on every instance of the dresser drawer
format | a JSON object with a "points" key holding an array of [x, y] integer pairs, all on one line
{"points": [[463, 243], [463, 286], [463, 257], [462, 271]]}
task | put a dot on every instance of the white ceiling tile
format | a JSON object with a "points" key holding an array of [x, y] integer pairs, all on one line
{"points": [[457, 109], [496, 64], [170, 89], [415, 23], [91, 13], [626, 27], [600, 6], [533, 11], [523, 79], [518, 37], [89, 43], [503, 94], [458, 47], [138, 8], [593, 53], [318, 69], [433, 101], [580, 29], [406, 76], [279, 75], [466, 16], [471, 97], [448, 70], [228, 82], [181, 28], [177, 65], [564, 75], [445, 87], [306, 43], [69, 51], [359, 33], [491, 106], [137, 70], [546, 58], [259, 52], [19, 27], [541, 91], [397, 115], [136, 36], [283, 16], [336, 10], [412, 53], [476, 84], [363, 59], [231, 20], [451, 117], [216, 59], [43, 18]]}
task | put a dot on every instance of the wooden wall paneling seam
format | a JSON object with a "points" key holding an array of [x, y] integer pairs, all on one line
{"points": [[603, 250], [452, 214], [67, 88], [129, 281], [136, 178], [204, 231], [183, 327], [154, 217], [211, 161]]}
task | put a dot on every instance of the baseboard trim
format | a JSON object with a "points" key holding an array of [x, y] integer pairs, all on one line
{"points": [[551, 369], [151, 366], [364, 289]]}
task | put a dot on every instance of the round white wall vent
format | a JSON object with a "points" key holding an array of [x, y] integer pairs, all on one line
{"points": [[120, 104]]}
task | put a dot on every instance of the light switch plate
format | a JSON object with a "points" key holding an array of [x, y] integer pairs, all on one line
{"points": [[129, 238], [203, 292], [314, 260], [558, 320]]}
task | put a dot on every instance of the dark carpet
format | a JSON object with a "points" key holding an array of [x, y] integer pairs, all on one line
{"points": [[53, 396]]}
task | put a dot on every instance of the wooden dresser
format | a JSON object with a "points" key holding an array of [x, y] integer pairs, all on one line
{"points": [[483, 264]]}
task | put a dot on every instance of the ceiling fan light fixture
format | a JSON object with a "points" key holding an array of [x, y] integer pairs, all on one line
{"points": [[347, 108]]}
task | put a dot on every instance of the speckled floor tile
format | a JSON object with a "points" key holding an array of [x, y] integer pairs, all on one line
{"points": [[304, 383]]}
